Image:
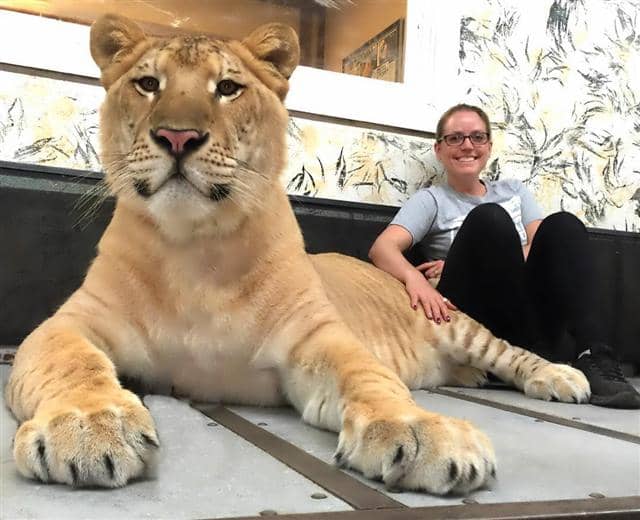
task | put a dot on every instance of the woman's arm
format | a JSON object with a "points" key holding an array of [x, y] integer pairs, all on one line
{"points": [[530, 229], [387, 254]]}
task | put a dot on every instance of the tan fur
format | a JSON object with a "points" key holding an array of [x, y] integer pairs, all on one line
{"points": [[213, 297]]}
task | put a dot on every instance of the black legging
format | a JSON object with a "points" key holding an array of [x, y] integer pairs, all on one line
{"points": [[533, 303]]}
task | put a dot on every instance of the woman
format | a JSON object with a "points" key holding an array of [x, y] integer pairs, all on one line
{"points": [[524, 277]]}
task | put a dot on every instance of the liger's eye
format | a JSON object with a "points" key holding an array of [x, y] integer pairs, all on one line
{"points": [[227, 87], [148, 84]]}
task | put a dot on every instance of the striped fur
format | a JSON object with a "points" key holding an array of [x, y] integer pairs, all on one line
{"points": [[214, 298]]}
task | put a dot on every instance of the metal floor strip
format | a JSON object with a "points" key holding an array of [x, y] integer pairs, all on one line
{"points": [[336, 482], [620, 508], [370, 504], [599, 430]]}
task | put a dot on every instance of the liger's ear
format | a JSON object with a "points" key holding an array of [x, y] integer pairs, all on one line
{"points": [[277, 44], [116, 42]]}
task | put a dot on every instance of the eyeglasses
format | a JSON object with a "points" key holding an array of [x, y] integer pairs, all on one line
{"points": [[457, 139]]}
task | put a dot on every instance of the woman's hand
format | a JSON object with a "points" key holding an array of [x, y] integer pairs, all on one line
{"points": [[435, 306], [386, 254], [431, 269]]}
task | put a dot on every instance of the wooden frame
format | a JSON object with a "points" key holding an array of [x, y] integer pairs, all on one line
{"points": [[381, 57]]}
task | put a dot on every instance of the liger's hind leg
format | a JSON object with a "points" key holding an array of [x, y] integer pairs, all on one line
{"points": [[467, 376], [468, 343]]}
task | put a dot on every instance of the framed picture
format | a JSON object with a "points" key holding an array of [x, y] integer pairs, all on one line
{"points": [[380, 57]]}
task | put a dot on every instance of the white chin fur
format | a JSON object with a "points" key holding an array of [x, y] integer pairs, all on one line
{"points": [[179, 209]]}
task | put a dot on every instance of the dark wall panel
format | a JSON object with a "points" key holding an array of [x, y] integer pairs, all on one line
{"points": [[627, 305], [43, 258], [44, 252]]}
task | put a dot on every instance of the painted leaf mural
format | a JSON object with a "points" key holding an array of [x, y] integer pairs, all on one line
{"points": [[560, 80]]}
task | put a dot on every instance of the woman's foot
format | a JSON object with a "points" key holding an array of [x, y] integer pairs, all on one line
{"points": [[608, 385]]}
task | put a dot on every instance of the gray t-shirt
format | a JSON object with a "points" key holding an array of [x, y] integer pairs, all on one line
{"points": [[434, 215]]}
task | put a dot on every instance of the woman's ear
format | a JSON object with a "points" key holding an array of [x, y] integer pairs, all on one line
{"points": [[437, 145]]}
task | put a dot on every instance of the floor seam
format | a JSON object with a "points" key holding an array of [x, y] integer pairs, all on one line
{"points": [[338, 483], [554, 419]]}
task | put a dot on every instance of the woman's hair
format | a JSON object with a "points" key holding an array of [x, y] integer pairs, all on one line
{"points": [[462, 107]]}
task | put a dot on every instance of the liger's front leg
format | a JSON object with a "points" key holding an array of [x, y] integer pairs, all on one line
{"points": [[337, 384], [78, 426]]}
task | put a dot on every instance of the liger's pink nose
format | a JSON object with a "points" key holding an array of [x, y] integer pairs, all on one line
{"points": [[176, 141]]}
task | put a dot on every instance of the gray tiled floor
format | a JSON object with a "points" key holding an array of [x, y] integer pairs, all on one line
{"points": [[204, 472], [207, 471], [536, 460], [626, 421]]}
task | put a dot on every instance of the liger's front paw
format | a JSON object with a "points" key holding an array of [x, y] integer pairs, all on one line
{"points": [[105, 444], [561, 382], [430, 453]]}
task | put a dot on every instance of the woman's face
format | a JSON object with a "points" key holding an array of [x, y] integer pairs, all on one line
{"points": [[467, 159]]}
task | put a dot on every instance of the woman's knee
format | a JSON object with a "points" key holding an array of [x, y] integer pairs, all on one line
{"points": [[561, 235], [490, 217], [489, 225], [564, 224]]}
